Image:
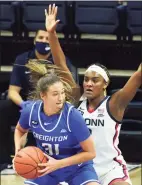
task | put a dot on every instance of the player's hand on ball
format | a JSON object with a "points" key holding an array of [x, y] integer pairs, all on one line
{"points": [[16, 151], [50, 21], [50, 166], [14, 165]]}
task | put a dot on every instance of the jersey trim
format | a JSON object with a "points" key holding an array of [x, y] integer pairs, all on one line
{"points": [[31, 114], [39, 109], [68, 118], [123, 179], [114, 139], [91, 180], [109, 113], [118, 161], [87, 104], [30, 182], [79, 103]]}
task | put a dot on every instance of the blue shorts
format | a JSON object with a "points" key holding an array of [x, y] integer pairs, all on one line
{"points": [[83, 175]]}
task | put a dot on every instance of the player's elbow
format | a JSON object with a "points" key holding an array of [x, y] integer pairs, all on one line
{"points": [[92, 154], [10, 94]]}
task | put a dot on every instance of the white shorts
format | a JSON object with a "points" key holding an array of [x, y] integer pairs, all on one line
{"points": [[118, 173]]}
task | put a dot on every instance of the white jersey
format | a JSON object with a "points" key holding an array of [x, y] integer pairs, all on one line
{"points": [[105, 131]]}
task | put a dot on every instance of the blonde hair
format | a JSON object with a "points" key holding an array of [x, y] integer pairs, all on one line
{"points": [[45, 74]]}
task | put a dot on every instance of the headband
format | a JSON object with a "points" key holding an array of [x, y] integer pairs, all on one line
{"points": [[98, 70]]}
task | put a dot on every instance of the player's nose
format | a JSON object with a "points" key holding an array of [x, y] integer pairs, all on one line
{"points": [[89, 83]]}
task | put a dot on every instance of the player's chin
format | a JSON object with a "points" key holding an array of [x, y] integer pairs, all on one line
{"points": [[89, 95], [59, 105]]}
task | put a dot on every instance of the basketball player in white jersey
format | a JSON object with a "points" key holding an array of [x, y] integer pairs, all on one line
{"points": [[103, 114]]}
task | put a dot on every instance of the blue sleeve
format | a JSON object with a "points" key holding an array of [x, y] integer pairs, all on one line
{"points": [[24, 118], [78, 126], [16, 74]]}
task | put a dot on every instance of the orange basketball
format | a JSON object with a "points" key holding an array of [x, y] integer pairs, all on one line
{"points": [[26, 162]]}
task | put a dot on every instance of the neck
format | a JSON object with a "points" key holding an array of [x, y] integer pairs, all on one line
{"points": [[49, 112], [39, 56], [93, 103]]}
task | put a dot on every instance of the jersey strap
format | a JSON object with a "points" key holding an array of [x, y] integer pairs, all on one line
{"points": [[69, 110], [31, 113]]}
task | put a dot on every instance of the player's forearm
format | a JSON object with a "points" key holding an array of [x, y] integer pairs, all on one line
{"points": [[59, 57], [77, 159], [57, 52], [15, 97], [139, 74], [19, 142], [139, 77]]}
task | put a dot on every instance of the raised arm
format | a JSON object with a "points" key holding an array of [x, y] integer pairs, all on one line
{"points": [[120, 99], [57, 52]]}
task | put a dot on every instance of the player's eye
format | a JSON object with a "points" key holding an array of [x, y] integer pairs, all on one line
{"points": [[55, 94], [86, 79], [94, 80], [40, 37]]}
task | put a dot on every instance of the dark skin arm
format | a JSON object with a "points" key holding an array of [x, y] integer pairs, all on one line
{"points": [[121, 98], [57, 52]]}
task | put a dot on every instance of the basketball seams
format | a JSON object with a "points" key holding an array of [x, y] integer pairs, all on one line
{"points": [[37, 153], [28, 172], [31, 157], [27, 162], [24, 163], [34, 168], [37, 157], [43, 159]]}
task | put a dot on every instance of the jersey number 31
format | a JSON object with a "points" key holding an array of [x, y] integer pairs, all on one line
{"points": [[51, 149]]}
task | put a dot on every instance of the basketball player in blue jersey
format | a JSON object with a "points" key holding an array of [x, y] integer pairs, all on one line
{"points": [[103, 115], [60, 131]]}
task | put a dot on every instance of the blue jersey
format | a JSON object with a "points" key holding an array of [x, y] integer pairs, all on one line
{"points": [[58, 135]]}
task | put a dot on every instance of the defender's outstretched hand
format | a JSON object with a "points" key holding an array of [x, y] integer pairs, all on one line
{"points": [[50, 20]]}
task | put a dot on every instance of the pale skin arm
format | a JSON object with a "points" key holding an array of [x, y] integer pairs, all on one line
{"points": [[14, 94], [120, 99], [20, 136], [88, 154]]}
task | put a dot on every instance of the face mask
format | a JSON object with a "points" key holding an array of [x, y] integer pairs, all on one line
{"points": [[42, 48]]}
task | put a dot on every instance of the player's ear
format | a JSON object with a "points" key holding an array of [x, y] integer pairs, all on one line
{"points": [[105, 85], [42, 95]]}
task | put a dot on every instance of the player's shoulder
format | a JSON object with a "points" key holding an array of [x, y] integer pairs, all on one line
{"points": [[68, 106], [71, 109], [30, 105]]}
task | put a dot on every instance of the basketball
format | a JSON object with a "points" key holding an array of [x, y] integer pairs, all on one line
{"points": [[26, 162]]}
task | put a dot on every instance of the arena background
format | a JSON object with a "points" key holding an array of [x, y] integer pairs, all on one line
{"points": [[108, 32]]}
